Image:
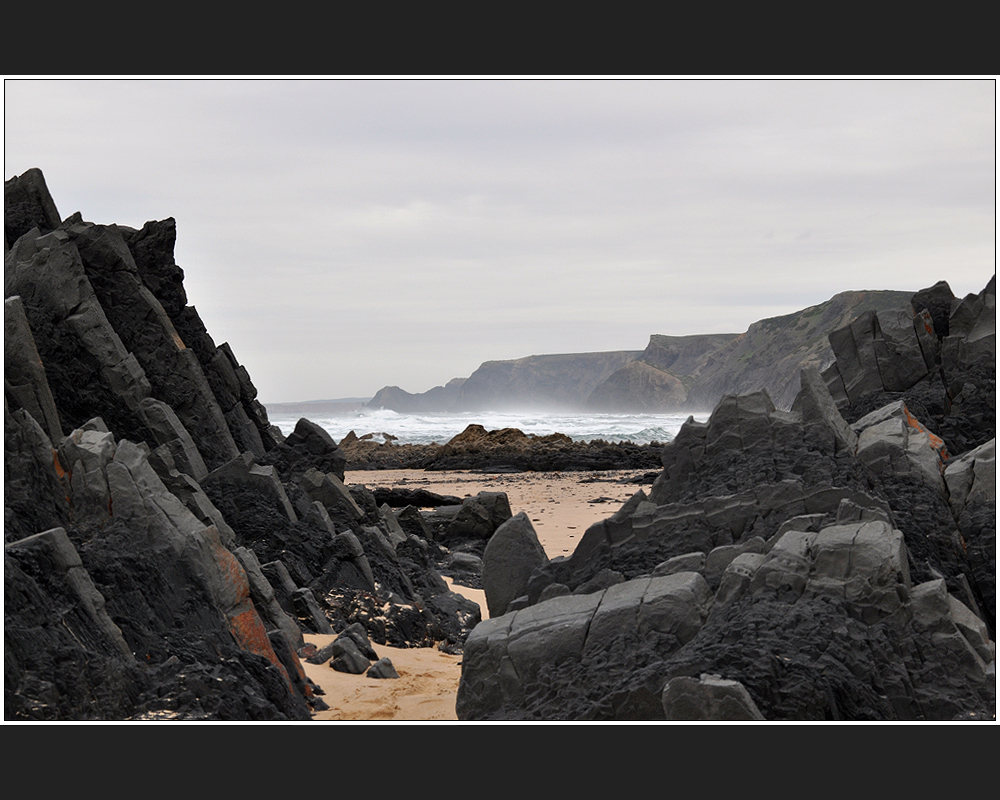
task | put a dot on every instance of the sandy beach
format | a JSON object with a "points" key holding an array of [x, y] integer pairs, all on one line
{"points": [[560, 505]]}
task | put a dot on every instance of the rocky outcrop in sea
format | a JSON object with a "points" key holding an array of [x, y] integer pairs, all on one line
{"points": [[166, 549], [835, 561], [502, 450]]}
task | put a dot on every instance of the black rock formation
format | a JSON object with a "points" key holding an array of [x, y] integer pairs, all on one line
{"points": [[165, 551], [503, 450], [835, 561]]}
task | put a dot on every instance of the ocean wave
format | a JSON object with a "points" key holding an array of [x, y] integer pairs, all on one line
{"points": [[427, 428]]}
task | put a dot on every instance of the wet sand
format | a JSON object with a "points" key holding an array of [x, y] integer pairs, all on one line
{"points": [[560, 505]]}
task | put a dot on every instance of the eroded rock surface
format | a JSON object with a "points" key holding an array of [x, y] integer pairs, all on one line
{"points": [[831, 562]]}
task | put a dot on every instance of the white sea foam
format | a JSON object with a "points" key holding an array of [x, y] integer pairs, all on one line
{"points": [[425, 428]]}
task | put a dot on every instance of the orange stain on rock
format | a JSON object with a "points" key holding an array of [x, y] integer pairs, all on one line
{"points": [[57, 464], [246, 625], [936, 441]]}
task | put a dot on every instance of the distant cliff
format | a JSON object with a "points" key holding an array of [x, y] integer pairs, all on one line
{"points": [[534, 382], [537, 382], [661, 378], [436, 399], [673, 373], [694, 372]]}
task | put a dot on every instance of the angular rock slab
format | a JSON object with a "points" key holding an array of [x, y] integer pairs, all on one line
{"points": [[24, 374], [864, 563], [508, 658], [709, 698], [83, 613], [329, 490], [892, 441], [972, 477], [512, 554]]}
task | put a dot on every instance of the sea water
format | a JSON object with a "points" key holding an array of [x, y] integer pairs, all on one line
{"points": [[427, 428]]}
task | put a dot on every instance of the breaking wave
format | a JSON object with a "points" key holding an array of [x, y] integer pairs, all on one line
{"points": [[427, 428]]}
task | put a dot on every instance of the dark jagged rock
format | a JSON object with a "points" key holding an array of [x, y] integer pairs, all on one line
{"points": [[91, 373], [351, 651], [108, 344], [164, 551], [23, 373], [307, 447], [522, 665], [768, 357], [956, 396], [152, 248], [166, 582], [398, 497], [346, 657], [139, 320], [382, 668], [474, 519], [937, 300], [708, 697], [27, 204], [843, 553], [504, 450], [510, 558]]}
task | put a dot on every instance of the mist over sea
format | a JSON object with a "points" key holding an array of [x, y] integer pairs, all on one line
{"points": [[427, 428]]}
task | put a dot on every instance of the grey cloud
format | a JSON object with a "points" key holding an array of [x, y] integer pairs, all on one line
{"points": [[347, 234]]}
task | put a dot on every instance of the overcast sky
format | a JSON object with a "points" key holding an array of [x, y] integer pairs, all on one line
{"points": [[347, 234]]}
